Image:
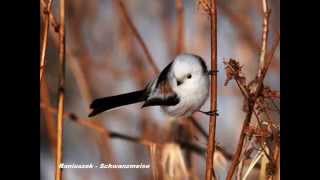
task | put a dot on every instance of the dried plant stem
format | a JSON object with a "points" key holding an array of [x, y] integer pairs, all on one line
{"points": [[74, 65], [252, 164], [62, 48], [265, 34], [180, 30], [46, 11], [153, 155], [44, 93], [212, 124], [277, 162], [77, 69], [252, 100], [134, 30], [239, 171], [272, 52]]}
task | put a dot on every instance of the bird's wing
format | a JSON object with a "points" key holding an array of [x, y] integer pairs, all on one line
{"points": [[161, 92]]}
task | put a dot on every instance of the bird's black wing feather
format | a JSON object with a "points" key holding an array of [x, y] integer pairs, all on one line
{"points": [[167, 101], [162, 94], [163, 75]]}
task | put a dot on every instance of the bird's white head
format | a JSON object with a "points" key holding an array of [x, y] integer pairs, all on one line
{"points": [[189, 79], [187, 70]]}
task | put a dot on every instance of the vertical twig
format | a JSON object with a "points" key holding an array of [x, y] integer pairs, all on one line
{"points": [[44, 94], [212, 124], [265, 34], [252, 100], [252, 164], [271, 53], [46, 11], [240, 168], [153, 151], [62, 48], [137, 35], [180, 30], [263, 170]]}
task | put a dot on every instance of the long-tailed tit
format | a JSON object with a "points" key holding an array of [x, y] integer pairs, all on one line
{"points": [[180, 89]]}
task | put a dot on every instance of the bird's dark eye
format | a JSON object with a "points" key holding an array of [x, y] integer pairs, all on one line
{"points": [[189, 76]]}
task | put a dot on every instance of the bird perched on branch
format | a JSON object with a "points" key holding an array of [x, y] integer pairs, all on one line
{"points": [[180, 90]]}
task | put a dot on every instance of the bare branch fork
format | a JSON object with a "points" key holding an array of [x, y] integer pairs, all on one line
{"points": [[263, 67], [212, 124]]}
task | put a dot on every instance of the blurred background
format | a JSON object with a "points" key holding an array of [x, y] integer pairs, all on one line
{"points": [[104, 58]]}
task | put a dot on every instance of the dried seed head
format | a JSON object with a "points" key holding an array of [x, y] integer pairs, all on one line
{"points": [[234, 71]]}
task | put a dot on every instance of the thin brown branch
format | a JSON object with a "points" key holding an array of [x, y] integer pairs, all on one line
{"points": [[74, 64], [62, 56], [45, 98], [46, 10], [251, 100], [263, 53], [134, 30], [212, 124], [53, 21], [224, 152], [180, 30], [271, 54], [77, 69]]}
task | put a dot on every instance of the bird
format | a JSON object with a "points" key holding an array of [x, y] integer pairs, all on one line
{"points": [[181, 89]]}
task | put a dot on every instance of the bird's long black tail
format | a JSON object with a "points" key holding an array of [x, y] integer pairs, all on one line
{"points": [[103, 104]]}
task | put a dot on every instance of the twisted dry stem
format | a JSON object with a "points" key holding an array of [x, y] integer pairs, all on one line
{"points": [[212, 124], [62, 56], [252, 99]]}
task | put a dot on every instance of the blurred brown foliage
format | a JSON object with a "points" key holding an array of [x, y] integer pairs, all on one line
{"points": [[116, 46]]}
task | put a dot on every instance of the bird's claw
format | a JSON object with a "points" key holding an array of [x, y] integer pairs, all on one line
{"points": [[212, 72], [210, 113]]}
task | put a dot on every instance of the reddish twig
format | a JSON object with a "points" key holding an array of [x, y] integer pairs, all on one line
{"points": [[271, 54], [46, 11], [212, 124], [44, 94], [62, 48]]}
